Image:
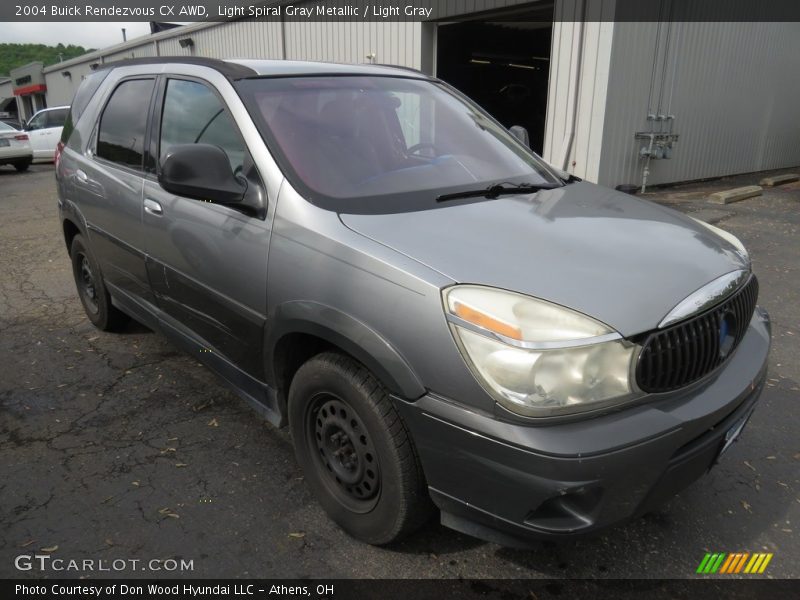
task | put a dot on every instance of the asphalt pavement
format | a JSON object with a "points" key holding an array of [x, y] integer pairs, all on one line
{"points": [[119, 446]]}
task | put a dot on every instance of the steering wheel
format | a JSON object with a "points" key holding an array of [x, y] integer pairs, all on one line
{"points": [[415, 149]]}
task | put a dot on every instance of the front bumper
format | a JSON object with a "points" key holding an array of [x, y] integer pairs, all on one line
{"points": [[510, 483]]}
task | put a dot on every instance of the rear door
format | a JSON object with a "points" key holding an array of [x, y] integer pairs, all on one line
{"points": [[207, 262], [40, 136], [107, 184]]}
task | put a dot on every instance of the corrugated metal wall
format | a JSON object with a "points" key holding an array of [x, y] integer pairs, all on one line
{"points": [[61, 88], [396, 43], [734, 90], [237, 39]]}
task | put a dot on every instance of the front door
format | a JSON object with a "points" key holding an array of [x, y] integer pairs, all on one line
{"points": [[207, 262]]}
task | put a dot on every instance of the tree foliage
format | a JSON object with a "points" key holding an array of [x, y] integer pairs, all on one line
{"points": [[16, 55]]}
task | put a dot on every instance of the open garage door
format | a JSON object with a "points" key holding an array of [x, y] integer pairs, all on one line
{"points": [[503, 65]]}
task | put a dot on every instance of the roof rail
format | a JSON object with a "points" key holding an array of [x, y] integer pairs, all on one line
{"points": [[230, 70]]}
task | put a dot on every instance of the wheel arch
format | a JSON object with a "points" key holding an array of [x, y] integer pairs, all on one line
{"points": [[70, 230], [303, 329]]}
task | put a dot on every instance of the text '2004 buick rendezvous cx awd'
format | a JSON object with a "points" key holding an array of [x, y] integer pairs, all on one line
{"points": [[438, 315]]}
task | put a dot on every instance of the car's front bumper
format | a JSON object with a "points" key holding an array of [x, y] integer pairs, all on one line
{"points": [[509, 482]]}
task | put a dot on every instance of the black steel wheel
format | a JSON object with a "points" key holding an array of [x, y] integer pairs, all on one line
{"points": [[355, 451], [345, 452], [86, 285], [92, 291]]}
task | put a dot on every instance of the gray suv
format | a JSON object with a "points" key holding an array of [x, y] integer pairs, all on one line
{"points": [[441, 318]]}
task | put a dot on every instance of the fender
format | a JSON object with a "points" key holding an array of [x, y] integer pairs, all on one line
{"points": [[354, 337]]}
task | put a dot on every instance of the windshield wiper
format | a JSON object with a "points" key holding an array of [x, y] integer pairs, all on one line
{"points": [[497, 190]]}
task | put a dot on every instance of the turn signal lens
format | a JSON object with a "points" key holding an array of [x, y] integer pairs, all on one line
{"points": [[481, 319]]}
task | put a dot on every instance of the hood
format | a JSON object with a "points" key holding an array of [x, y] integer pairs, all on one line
{"points": [[622, 260]]}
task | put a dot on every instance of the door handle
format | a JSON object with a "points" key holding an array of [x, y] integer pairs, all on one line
{"points": [[81, 175], [152, 207]]}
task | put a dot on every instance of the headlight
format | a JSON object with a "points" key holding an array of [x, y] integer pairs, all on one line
{"points": [[728, 237], [537, 358]]}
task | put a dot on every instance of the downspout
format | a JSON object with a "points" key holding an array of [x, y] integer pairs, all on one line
{"points": [[572, 111]]}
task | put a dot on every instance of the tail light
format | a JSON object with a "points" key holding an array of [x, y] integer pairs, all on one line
{"points": [[22, 137], [59, 150]]}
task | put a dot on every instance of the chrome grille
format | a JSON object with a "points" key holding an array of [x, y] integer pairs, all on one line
{"points": [[685, 352]]}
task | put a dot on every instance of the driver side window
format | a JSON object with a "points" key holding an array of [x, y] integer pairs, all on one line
{"points": [[193, 114], [37, 122]]}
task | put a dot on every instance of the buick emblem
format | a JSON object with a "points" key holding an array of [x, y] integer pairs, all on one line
{"points": [[727, 333]]}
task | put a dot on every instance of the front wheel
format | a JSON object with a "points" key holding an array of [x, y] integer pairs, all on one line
{"points": [[92, 290], [357, 456]]}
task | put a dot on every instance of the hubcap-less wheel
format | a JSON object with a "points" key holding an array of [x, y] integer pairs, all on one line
{"points": [[88, 289], [344, 453], [354, 449], [94, 296]]}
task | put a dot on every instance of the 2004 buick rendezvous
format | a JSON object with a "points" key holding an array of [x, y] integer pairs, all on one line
{"points": [[362, 252]]}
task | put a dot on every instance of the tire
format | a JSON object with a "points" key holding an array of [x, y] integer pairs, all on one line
{"points": [[92, 291], [362, 467], [22, 166]]}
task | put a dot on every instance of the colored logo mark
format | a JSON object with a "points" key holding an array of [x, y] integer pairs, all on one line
{"points": [[734, 562]]}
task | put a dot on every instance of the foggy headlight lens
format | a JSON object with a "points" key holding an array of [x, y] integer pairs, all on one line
{"points": [[538, 358]]}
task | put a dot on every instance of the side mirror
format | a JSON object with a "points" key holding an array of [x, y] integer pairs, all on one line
{"points": [[202, 172], [519, 132]]}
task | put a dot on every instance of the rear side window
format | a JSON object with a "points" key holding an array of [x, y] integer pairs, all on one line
{"points": [[56, 117], [193, 114], [120, 137], [81, 100]]}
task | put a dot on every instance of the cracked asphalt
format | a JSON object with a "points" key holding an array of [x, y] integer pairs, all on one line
{"points": [[118, 446]]}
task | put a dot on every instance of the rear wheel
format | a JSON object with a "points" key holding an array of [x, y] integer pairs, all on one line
{"points": [[357, 456], [22, 166], [92, 290]]}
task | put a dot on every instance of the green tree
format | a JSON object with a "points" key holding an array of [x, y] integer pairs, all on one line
{"points": [[16, 55]]}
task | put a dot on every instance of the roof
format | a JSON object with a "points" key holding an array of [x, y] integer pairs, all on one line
{"points": [[302, 67], [244, 68]]}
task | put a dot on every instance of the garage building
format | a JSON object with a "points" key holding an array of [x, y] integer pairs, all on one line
{"points": [[612, 102]]}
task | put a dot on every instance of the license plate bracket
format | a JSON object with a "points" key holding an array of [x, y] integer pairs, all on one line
{"points": [[4, 143], [733, 433]]}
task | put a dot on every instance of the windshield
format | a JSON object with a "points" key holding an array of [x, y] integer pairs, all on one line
{"points": [[359, 137]]}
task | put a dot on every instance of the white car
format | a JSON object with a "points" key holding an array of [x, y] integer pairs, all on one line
{"points": [[44, 129], [15, 147]]}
